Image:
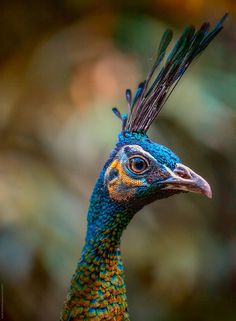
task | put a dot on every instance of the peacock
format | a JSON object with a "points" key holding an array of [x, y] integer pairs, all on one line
{"points": [[137, 172]]}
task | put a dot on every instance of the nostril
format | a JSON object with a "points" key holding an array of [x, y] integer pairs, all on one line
{"points": [[183, 173]]}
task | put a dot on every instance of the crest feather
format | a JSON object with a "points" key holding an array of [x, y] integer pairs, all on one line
{"points": [[153, 92]]}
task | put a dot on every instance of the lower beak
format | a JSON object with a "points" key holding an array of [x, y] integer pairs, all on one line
{"points": [[184, 179]]}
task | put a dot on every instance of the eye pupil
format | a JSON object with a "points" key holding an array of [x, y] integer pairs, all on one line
{"points": [[138, 164]]}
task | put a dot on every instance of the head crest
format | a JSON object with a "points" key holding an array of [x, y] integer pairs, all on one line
{"points": [[153, 92]]}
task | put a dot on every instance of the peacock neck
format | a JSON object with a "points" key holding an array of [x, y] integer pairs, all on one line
{"points": [[98, 289]]}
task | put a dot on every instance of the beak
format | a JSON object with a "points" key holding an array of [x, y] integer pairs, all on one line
{"points": [[184, 179]]}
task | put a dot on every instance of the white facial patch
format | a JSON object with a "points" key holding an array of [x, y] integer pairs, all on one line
{"points": [[136, 149]]}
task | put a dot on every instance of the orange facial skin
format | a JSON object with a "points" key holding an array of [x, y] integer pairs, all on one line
{"points": [[122, 187]]}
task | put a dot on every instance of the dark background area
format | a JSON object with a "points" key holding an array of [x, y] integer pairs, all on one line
{"points": [[64, 64]]}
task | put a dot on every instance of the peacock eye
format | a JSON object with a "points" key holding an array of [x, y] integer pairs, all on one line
{"points": [[138, 164]]}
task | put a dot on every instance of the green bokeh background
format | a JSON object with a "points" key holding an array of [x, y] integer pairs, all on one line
{"points": [[64, 64]]}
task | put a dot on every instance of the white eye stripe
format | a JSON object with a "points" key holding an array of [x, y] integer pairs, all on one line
{"points": [[137, 149]]}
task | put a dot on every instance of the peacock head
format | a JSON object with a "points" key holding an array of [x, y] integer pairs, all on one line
{"points": [[141, 171]]}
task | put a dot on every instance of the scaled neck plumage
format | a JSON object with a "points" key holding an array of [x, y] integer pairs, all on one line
{"points": [[98, 288]]}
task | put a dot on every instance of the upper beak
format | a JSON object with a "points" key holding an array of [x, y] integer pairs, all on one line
{"points": [[184, 179]]}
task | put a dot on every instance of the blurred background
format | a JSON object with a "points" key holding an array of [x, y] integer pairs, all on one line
{"points": [[64, 65]]}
